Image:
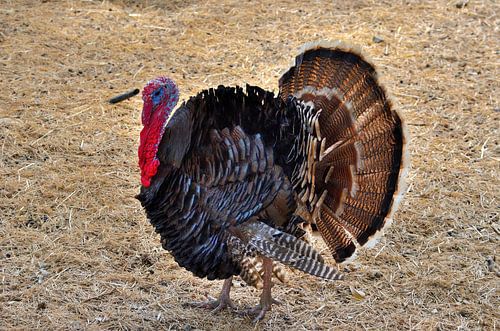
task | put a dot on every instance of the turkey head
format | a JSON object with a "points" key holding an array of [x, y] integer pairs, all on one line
{"points": [[160, 96]]}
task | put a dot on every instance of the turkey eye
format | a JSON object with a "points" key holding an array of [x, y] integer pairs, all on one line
{"points": [[156, 96]]}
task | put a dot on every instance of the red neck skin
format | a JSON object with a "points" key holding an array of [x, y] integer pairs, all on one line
{"points": [[151, 135], [154, 119]]}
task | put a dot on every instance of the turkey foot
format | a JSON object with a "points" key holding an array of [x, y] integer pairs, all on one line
{"points": [[259, 311], [266, 300], [224, 301]]}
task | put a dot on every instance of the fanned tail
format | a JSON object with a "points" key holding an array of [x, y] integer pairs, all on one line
{"points": [[353, 146]]}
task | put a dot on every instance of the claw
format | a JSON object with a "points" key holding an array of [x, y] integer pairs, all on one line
{"points": [[258, 311], [261, 314], [224, 301], [214, 305]]}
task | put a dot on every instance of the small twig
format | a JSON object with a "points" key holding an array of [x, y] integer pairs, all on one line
{"points": [[136, 73], [407, 95], [156, 27], [124, 96], [69, 196], [380, 251], [69, 218], [163, 308], [78, 113], [45, 135], [100, 295], [483, 148], [26, 166], [21, 169]]}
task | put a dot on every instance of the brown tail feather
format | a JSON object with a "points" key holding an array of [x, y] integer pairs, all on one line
{"points": [[361, 161]]}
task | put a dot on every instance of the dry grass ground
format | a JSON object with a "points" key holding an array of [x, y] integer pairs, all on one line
{"points": [[76, 251]]}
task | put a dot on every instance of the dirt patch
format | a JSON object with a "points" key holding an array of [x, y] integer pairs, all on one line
{"points": [[76, 251]]}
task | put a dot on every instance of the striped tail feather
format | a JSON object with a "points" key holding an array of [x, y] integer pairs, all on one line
{"points": [[359, 144], [295, 260], [285, 248], [297, 245]]}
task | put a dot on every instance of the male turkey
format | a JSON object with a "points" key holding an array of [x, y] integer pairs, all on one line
{"points": [[231, 175]]}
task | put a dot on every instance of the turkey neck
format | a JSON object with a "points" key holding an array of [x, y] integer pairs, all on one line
{"points": [[175, 140]]}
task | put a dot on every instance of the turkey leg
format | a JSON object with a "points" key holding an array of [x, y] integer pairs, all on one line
{"points": [[222, 303], [266, 300]]}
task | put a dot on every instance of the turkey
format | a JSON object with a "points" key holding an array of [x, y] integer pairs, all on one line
{"points": [[233, 175]]}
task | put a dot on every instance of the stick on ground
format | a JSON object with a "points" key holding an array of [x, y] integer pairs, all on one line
{"points": [[124, 96]]}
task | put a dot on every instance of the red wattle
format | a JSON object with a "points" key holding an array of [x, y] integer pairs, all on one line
{"points": [[150, 138]]}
